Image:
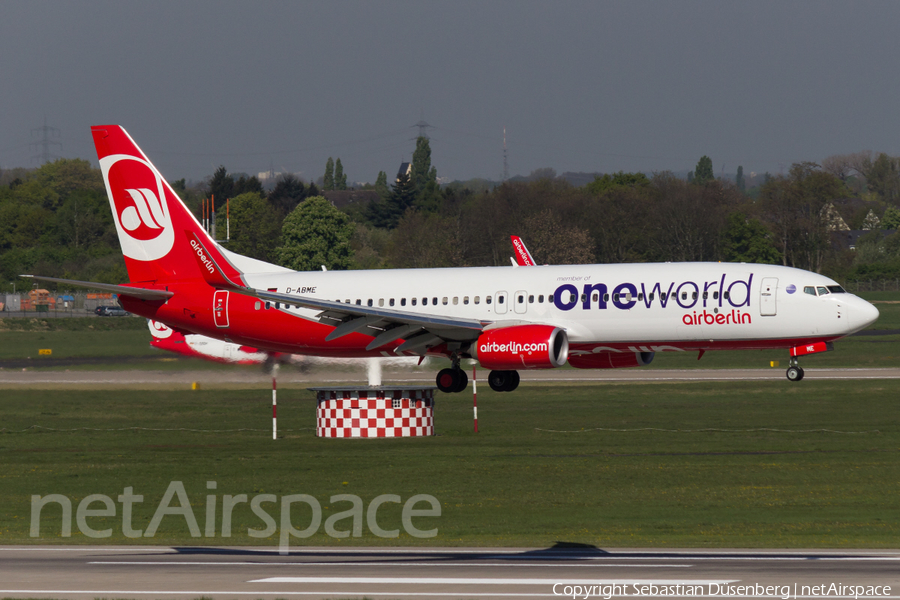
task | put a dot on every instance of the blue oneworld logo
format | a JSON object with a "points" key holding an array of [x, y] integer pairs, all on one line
{"points": [[687, 294]]}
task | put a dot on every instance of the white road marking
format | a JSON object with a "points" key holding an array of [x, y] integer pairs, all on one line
{"points": [[234, 593], [399, 563], [334, 593], [329, 593], [487, 581], [86, 549], [650, 379]]}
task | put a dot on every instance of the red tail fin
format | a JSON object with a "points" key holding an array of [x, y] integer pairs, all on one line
{"points": [[150, 218], [523, 257]]}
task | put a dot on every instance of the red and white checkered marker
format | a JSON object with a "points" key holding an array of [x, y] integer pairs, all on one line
{"points": [[374, 413]]}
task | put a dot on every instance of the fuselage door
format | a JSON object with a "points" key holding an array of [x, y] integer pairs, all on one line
{"points": [[220, 308], [520, 302], [500, 307], [767, 295]]}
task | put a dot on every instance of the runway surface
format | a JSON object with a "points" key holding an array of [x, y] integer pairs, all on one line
{"points": [[251, 377], [219, 573]]}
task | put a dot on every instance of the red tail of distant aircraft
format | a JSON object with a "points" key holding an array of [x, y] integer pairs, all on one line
{"points": [[508, 319], [523, 256], [207, 348]]}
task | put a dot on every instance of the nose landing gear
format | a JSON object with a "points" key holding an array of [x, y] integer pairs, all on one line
{"points": [[795, 371]]}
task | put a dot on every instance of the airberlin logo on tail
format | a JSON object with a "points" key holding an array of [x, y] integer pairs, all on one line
{"points": [[137, 196], [147, 210]]}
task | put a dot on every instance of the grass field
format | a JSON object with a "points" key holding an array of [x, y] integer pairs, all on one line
{"points": [[761, 464]]}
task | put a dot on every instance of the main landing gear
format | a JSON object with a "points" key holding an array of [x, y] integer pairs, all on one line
{"points": [[503, 381], [795, 371], [452, 380]]}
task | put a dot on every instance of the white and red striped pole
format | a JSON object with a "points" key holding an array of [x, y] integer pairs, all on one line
{"points": [[475, 396], [274, 402]]}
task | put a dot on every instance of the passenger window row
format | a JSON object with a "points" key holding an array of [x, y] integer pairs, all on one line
{"points": [[520, 298], [445, 300]]}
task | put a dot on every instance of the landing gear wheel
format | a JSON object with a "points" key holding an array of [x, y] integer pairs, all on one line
{"points": [[448, 380], [513, 381], [503, 381], [498, 380], [452, 381], [794, 373], [463, 381]]}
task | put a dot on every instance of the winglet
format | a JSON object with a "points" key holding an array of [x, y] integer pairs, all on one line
{"points": [[523, 257]]}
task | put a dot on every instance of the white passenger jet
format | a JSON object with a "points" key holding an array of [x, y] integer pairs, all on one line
{"points": [[506, 318]]}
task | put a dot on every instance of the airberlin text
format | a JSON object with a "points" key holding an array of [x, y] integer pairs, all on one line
{"points": [[735, 317], [719, 294], [202, 256], [514, 347]]}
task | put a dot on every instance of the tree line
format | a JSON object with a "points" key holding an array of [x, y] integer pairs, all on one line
{"points": [[55, 220]]}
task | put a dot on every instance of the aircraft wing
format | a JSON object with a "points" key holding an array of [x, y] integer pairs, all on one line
{"points": [[419, 331], [386, 324]]}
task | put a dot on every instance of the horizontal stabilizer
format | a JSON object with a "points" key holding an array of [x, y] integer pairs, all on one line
{"points": [[124, 290]]}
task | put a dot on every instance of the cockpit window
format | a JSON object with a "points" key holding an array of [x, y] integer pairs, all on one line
{"points": [[822, 290], [836, 289], [809, 290]]}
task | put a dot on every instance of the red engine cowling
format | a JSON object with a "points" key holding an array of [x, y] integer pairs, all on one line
{"points": [[611, 360], [523, 347]]}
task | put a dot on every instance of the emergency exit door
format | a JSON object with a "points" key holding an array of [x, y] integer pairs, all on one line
{"points": [[767, 296], [520, 302], [220, 308]]}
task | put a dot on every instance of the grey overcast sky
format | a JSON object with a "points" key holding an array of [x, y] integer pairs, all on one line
{"points": [[579, 86]]}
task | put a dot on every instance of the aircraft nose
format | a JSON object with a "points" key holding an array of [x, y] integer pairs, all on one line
{"points": [[866, 314]]}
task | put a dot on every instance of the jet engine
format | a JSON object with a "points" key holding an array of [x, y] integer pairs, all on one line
{"points": [[611, 360], [523, 347]]}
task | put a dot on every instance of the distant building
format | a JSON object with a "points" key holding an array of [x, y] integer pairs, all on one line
{"points": [[272, 174], [342, 198], [871, 221], [847, 240], [833, 219], [405, 168]]}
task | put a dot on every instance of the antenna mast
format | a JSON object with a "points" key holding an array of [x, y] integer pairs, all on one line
{"points": [[505, 162], [46, 134], [423, 126]]}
